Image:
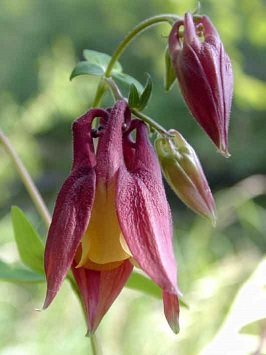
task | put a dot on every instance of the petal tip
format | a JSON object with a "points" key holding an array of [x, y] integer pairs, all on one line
{"points": [[175, 326], [213, 219], [50, 295], [171, 310], [91, 330], [211, 216], [223, 150], [89, 333]]}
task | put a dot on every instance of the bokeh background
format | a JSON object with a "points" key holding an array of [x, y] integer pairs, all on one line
{"points": [[222, 270]]}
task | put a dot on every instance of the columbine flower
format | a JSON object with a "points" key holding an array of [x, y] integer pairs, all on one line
{"points": [[111, 213], [205, 76], [183, 172]]}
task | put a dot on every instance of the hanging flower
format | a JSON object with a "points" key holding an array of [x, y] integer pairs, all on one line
{"points": [[205, 75], [111, 213]]}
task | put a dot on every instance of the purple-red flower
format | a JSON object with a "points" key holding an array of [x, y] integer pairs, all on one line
{"points": [[111, 213], [205, 75]]}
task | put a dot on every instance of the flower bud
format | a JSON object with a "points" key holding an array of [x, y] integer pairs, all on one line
{"points": [[183, 172], [205, 75]]}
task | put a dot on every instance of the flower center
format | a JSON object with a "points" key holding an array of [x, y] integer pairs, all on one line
{"points": [[103, 244]]}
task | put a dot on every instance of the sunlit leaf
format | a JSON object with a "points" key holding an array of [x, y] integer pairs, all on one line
{"points": [[254, 328], [249, 216], [100, 59], [86, 68], [29, 244], [246, 313], [16, 274], [141, 283], [127, 79]]}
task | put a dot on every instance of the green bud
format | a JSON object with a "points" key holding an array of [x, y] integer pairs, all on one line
{"points": [[183, 172]]}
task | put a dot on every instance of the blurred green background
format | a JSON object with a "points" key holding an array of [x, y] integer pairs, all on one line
{"points": [[41, 41]]}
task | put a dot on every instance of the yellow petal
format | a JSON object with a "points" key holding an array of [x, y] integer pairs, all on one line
{"points": [[102, 267], [103, 241]]}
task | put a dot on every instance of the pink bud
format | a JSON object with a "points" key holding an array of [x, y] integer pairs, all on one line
{"points": [[205, 75], [183, 172]]}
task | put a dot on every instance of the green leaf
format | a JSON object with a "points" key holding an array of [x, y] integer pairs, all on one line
{"points": [[169, 75], [146, 94], [127, 79], [100, 59], [16, 274], [86, 68], [95, 64], [254, 328], [133, 98], [141, 283], [29, 244]]}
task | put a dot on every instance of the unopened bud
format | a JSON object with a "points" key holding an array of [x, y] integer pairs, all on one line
{"points": [[183, 172], [205, 76]]}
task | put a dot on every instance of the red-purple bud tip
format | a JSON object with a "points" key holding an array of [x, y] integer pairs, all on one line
{"points": [[205, 76]]}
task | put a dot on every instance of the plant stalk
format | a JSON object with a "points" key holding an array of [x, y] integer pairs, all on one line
{"points": [[141, 27], [118, 96], [27, 180]]}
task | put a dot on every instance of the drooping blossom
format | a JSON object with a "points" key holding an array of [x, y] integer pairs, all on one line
{"points": [[205, 76], [111, 213], [183, 172]]}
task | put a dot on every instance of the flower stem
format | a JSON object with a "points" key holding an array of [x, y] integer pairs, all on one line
{"points": [[27, 180], [141, 27], [95, 345], [99, 93], [150, 121], [118, 96], [114, 89]]}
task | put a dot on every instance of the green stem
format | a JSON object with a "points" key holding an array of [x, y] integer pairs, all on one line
{"points": [[150, 122], [99, 93], [27, 180], [114, 89], [141, 27], [118, 96], [95, 345], [43, 212]]}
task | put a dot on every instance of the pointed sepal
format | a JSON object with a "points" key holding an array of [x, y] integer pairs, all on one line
{"points": [[99, 289], [171, 310], [72, 208], [144, 213]]}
